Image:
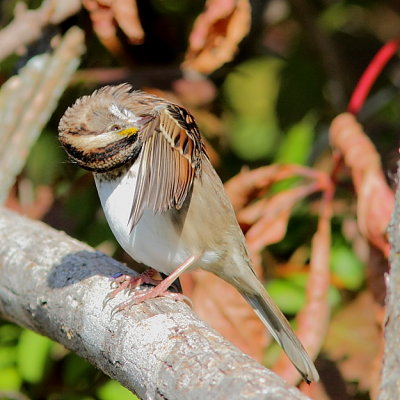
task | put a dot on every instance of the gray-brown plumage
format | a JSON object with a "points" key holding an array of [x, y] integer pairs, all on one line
{"points": [[163, 199]]}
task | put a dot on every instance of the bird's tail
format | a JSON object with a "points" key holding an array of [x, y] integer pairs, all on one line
{"points": [[279, 327]]}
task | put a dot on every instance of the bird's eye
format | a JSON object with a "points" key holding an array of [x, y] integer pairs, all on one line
{"points": [[115, 128]]}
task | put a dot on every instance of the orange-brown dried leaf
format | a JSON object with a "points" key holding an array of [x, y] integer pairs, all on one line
{"points": [[244, 186], [127, 17], [225, 310], [375, 199], [101, 17], [107, 14], [216, 34], [251, 213], [248, 185], [355, 342], [268, 230], [269, 217], [103, 24]]}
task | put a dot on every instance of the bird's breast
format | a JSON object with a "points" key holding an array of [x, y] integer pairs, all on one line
{"points": [[156, 240]]}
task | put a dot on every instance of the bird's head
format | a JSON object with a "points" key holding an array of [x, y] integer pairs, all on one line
{"points": [[102, 132]]}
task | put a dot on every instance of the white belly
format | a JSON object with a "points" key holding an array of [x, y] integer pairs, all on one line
{"points": [[154, 241]]}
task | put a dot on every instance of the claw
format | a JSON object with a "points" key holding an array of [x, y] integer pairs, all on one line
{"points": [[115, 276], [151, 293], [160, 289]]}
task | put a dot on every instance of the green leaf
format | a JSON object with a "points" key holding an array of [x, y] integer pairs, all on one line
{"points": [[295, 148], [9, 334], [347, 267], [32, 355], [10, 379], [337, 15], [296, 145], [8, 356], [252, 138], [252, 88], [250, 92], [112, 390], [271, 354], [290, 294]]}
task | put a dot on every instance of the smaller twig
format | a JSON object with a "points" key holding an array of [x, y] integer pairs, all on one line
{"points": [[27, 101], [27, 25], [369, 76]]}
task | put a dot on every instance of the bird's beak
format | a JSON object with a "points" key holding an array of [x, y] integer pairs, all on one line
{"points": [[128, 131]]}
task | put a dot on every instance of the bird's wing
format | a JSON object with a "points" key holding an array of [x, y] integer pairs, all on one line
{"points": [[168, 162]]}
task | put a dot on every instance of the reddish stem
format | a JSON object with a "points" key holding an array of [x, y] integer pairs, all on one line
{"points": [[369, 76]]}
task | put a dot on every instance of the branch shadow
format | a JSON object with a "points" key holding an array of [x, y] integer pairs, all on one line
{"points": [[78, 266]]}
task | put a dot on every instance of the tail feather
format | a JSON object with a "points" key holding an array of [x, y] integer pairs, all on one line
{"points": [[280, 329]]}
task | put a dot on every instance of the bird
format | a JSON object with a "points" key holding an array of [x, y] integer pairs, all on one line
{"points": [[164, 201]]}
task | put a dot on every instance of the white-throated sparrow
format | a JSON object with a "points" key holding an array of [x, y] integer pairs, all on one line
{"points": [[163, 199]]}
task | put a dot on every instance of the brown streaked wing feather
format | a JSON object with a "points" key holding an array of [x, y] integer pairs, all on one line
{"points": [[181, 131], [169, 161]]}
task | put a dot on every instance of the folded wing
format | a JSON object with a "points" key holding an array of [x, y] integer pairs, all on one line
{"points": [[168, 162]]}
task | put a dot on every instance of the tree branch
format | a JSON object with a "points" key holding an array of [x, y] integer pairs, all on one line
{"points": [[390, 381], [56, 286]]}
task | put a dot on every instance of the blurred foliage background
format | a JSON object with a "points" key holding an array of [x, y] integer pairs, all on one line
{"points": [[272, 103]]}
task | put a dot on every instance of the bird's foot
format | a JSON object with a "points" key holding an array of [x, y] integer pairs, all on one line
{"points": [[123, 282], [161, 290]]}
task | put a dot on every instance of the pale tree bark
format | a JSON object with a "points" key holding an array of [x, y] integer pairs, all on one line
{"points": [[56, 286], [27, 25], [390, 380], [28, 99]]}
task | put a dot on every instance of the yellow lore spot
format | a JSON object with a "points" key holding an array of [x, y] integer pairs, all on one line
{"points": [[128, 131]]}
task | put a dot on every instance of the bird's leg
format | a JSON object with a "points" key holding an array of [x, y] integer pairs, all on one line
{"points": [[124, 281], [161, 289], [175, 286]]}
